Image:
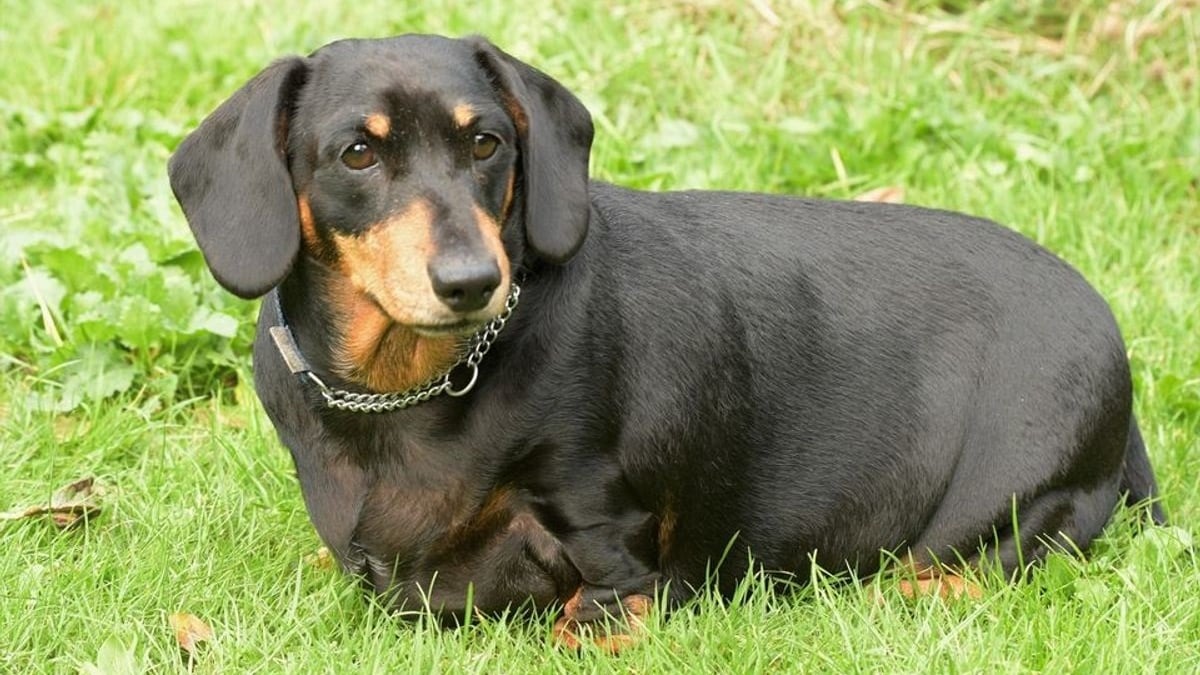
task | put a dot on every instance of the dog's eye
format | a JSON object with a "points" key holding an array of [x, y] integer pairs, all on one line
{"points": [[359, 156], [485, 146]]}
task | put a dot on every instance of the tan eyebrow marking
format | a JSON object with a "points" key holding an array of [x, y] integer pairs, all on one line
{"points": [[378, 125], [463, 114]]}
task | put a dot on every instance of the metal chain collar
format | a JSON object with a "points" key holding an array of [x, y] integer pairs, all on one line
{"points": [[477, 346]]}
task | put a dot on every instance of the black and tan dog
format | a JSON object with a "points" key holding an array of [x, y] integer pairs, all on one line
{"points": [[502, 383]]}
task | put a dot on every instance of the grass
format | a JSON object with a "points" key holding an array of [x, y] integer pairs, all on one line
{"points": [[1076, 123]]}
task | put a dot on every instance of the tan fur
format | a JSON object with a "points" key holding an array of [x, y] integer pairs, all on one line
{"points": [[490, 230], [463, 114], [612, 639], [398, 515], [666, 532], [492, 516], [922, 579], [308, 228], [516, 112], [945, 586], [387, 262], [506, 210], [378, 125], [382, 355], [389, 291]]}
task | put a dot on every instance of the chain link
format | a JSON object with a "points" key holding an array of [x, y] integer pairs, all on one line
{"points": [[477, 346]]}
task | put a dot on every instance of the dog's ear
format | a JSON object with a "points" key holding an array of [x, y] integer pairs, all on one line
{"points": [[555, 132], [231, 177]]}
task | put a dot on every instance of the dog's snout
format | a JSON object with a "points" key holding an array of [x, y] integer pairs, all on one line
{"points": [[466, 288]]}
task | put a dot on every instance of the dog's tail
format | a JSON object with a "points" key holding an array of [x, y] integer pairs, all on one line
{"points": [[1137, 479]]}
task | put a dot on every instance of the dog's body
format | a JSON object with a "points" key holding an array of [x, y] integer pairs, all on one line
{"points": [[809, 380]]}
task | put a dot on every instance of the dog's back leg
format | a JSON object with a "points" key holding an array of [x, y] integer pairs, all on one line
{"points": [[1064, 519]]}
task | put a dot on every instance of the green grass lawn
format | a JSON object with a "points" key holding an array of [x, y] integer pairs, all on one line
{"points": [[121, 358]]}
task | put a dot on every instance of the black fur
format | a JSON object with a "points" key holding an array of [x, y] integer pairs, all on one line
{"points": [[554, 154], [231, 177], [811, 380]]}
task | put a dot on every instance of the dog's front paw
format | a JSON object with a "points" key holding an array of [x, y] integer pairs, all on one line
{"points": [[609, 623]]}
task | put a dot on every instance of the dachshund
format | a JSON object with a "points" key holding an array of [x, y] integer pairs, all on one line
{"points": [[504, 384]]}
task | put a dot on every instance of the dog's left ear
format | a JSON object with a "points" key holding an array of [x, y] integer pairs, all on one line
{"points": [[555, 132]]}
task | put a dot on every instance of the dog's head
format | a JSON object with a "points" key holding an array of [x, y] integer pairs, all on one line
{"points": [[421, 168]]}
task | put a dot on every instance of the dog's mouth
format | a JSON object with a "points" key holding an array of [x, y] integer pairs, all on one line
{"points": [[435, 326], [461, 328]]}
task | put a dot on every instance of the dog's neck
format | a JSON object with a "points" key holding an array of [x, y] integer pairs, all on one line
{"points": [[349, 337]]}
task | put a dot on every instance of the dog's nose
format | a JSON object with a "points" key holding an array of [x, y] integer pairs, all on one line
{"points": [[466, 288]]}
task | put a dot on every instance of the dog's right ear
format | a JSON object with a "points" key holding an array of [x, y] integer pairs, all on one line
{"points": [[555, 132], [231, 177]]}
